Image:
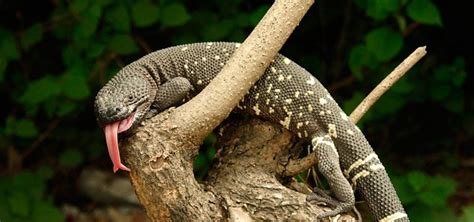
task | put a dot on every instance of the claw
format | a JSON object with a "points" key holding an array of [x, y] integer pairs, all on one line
{"points": [[321, 196]]}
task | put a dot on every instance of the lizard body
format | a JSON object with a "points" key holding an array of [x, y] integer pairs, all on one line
{"points": [[285, 94]]}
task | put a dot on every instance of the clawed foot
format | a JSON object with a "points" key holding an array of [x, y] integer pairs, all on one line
{"points": [[322, 196]]}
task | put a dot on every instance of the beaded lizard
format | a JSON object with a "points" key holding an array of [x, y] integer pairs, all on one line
{"points": [[285, 94]]}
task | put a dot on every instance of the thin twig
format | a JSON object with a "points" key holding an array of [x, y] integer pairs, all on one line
{"points": [[383, 86], [340, 84], [294, 166], [143, 44], [357, 213], [342, 41]]}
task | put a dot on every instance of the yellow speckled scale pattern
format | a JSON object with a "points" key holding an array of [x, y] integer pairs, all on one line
{"points": [[289, 95]]}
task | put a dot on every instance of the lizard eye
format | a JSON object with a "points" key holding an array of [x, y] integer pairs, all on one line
{"points": [[129, 99]]}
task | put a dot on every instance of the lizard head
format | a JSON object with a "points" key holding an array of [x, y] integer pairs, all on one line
{"points": [[120, 105]]}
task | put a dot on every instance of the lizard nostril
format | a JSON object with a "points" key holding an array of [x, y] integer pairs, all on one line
{"points": [[114, 111]]}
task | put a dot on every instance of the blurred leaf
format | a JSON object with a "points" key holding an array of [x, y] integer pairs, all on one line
{"points": [[417, 180], [241, 20], [144, 13], [27, 180], [95, 50], [184, 39], [458, 79], [437, 191], [443, 73], [420, 212], [46, 212], [424, 12], [357, 59], [66, 108], [349, 105], [361, 3], [75, 86], [446, 85], [3, 67], [174, 14], [70, 158], [405, 191], [403, 86], [199, 162], [258, 14], [50, 107], [360, 57], [103, 3], [78, 6], [25, 128], [402, 22], [40, 90], [70, 55], [301, 177], [88, 23], [24, 198], [431, 191], [8, 45], [31, 36], [62, 31], [210, 139], [389, 103], [237, 35], [9, 125], [45, 172], [211, 153], [467, 214], [384, 43], [455, 103], [217, 30], [458, 72], [95, 10], [440, 91], [382, 8], [19, 203], [118, 18], [123, 44]]}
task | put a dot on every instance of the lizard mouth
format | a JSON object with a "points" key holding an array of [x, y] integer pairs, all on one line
{"points": [[111, 131]]}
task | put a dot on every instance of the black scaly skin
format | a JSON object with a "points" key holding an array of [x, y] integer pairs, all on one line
{"points": [[285, 94]]}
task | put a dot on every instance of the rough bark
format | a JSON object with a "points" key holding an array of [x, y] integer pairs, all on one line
{"points": [[246, 183]]}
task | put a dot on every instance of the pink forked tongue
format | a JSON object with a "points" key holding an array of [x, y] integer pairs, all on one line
{"points": [[111, 131]]}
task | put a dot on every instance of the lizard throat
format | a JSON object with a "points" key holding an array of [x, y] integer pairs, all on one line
{"points": [[111, 131]]}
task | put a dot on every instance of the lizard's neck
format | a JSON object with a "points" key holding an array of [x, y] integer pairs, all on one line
{"points": [[154, 82]]}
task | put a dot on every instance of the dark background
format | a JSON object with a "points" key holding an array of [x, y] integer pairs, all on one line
{"points": [[55, 55]]}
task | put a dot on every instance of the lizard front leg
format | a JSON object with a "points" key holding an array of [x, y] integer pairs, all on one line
{"points": [[328, 164], [170, 93]]}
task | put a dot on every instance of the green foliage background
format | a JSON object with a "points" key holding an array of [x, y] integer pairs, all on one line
{"points": [[55, 55]]}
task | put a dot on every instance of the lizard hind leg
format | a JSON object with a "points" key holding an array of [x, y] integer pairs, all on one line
{"points": [[328, 164]]}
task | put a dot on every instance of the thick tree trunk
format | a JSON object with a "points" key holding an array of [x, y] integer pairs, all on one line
{"points": [[244, 184]]}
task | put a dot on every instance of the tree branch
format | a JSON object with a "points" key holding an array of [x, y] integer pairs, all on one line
{"points": [[296, 166], [161, 152], [243, 69], [383, 86]]}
